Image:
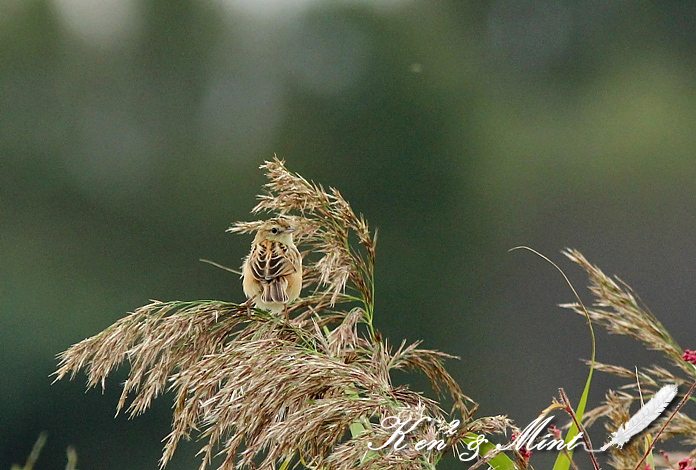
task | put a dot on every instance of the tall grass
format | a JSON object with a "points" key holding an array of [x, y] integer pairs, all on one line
{"points": [[315, 390]]}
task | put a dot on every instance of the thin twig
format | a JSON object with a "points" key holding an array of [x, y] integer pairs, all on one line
{"points": [[588, 445], [220, 266]]}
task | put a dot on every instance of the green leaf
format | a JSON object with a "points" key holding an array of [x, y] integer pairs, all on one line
{"points": [[499, 462], [562, 462]]}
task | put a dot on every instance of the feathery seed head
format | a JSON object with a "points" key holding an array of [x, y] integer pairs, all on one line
{"points": [[312, 389]]}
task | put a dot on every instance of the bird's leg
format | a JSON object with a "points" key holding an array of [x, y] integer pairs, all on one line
{"points": [[247, 304]]}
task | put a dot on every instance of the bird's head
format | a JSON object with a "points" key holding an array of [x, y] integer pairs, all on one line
{"points": [[276, 229]]}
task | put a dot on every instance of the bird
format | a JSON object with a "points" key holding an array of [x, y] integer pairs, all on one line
{"points": [[272, 272]]}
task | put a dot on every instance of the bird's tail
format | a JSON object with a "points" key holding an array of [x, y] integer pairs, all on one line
{"points": [[275, 291]]}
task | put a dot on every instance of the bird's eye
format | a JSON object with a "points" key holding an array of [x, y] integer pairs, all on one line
{"points": [[274, 230]]}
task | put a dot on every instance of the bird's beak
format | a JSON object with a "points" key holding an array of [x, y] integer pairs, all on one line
{"points": [[290, 229]]}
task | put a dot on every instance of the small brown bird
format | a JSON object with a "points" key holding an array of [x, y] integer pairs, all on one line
{"points": [[272, 272]]}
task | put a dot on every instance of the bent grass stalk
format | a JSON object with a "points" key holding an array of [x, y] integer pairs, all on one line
{"points": [[564, 459]]}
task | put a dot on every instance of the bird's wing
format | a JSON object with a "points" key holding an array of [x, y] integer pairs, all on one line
{"points": [[271, 260]]}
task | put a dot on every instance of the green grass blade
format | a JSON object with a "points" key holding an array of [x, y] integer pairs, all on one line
{"points": [[499, 462], [562, 462]]}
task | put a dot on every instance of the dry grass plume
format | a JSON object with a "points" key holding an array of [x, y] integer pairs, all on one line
{"points": [[269, 393]]}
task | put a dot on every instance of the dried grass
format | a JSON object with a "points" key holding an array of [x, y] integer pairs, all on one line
{"points": [[311, 389], [619, 311], [273, 393]]}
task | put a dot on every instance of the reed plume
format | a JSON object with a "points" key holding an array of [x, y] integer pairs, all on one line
{"points": [[269, 393], [618, 309]]}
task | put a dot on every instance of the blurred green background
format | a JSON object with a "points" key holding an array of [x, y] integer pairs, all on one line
{"points": [[131, 132]]}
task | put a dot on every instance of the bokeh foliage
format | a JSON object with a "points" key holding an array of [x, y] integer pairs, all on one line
{"points": [[130, 134]]}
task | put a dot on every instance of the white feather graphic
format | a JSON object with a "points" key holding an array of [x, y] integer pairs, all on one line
{"points": [[642, 419]]}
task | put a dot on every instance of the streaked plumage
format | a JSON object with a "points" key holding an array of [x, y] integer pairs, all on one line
{"points": [[272, 272]]}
